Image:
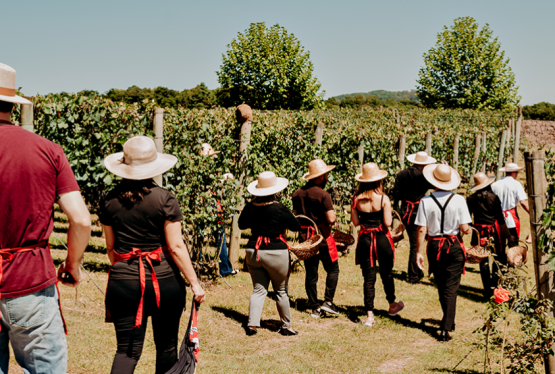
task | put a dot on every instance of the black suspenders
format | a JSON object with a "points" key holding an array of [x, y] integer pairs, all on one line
{"points": [[442, 209]]}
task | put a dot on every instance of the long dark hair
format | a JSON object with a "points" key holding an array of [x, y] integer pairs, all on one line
{"points": [[130, 191], [264, 199], [365, 189]]}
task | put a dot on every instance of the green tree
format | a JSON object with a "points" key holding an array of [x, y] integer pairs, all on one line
{"points": [[467, 69], [541, 111], [268, 69]]}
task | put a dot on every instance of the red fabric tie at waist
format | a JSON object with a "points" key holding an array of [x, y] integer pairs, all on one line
{"points": [[372, 232], [450, 239], [8, 254], [489, 230], [266, 240], [310, 231], [148, 256], [410, 205]]}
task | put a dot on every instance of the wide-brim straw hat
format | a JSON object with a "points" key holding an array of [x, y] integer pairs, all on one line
{"points": [[510, 167], [421, 158], [139, 160], [442, 176], [371, 173], [207, 150], [267, 184], [317, 168], [7, 86], [481, 180]]}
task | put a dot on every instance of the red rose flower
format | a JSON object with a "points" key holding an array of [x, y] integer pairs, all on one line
{"points": [[501, 295]]}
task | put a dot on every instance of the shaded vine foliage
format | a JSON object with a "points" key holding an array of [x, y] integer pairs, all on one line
{"points": [[89, 127]]}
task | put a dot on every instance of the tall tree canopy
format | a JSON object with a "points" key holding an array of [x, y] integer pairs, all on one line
{"points": [[467, 69], [268, 69]]}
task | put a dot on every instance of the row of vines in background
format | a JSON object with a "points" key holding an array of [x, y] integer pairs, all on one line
{"points": [[89, 128]]}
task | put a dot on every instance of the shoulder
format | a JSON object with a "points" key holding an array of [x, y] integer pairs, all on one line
{"points": [[459, 199]]}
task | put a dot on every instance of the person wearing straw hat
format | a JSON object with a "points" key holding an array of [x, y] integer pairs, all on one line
{"points": [[267, 253], [371, 211], [444, 217], [511, 193], [485, 207], [410, 188], [142, 225], [314, 202], [35, 174], [226, 268]]}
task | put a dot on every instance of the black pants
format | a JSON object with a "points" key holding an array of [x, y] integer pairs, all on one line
{"points": [[490, 279], [447, 273], [122, 300], [385, 260], [414, 274], [311, 282]]}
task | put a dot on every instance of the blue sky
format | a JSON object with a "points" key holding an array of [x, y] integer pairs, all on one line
{"points": [[355, 46]]}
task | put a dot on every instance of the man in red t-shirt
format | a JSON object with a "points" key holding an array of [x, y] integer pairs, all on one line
{"points": [[34, 174]]}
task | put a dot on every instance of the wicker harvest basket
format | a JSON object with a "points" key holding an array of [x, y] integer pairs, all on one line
{"points": [[305, 250], [477, 253], [397, 231], [517, 256], [342, 240]]}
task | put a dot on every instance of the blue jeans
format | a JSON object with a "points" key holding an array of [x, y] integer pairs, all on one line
{"points": [[225, 264], [33, 323]]}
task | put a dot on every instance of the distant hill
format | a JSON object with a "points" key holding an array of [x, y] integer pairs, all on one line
{"points": [[385, 95]]}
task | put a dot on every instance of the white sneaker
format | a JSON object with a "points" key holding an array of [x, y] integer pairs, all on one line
{"points": [[370, 321]]}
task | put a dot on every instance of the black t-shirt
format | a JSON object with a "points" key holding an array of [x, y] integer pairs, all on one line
{"points": [[140, 225], [267, 221], [313, 202], [485, 206], [410, 185]]}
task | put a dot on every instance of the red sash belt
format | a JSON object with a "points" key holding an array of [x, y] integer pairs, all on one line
{"points": [[449, 239], [8, 254], [310, 232], [266, 240], [490, 232], [372, 232], [148, 256], [410, 209]]}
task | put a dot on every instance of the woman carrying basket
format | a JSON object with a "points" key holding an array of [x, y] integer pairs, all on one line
{"points": [[142, 224], [372, 211], [486, 209], [267, 253]]}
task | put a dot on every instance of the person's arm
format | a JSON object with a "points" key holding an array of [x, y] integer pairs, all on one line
{"points": [[180, 256], [110, 240], [332, 219], [78, 234], [420, 238], [524, 205], [354, 215], [387, 218], [464, 228]]}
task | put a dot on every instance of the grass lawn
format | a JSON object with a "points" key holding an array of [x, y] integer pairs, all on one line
{"points": [[404, 344]]}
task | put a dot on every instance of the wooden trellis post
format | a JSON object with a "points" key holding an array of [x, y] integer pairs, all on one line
{"points": [[456, 152], [429, 143], [244, 117], [319, 133], [484, 150], [402, 145], [501, 154], [517, 135], [27, 116], [159, 137], [476, 155]]}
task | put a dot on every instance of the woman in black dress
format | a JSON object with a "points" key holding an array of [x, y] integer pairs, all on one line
{"points": [[142, 224]]}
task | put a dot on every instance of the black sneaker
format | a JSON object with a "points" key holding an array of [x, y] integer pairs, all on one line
{"points": [[250, 331], [316, 313], [288, 332], [329, 308]]}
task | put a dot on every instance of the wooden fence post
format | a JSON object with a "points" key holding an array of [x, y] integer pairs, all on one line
{"points": [[476, 155], [501, 154], [319, 133], [537, 191], [360, 149], [517, 135], [402, 144], [484, 150], [429, 143], [456, 152], [27, 116], [244, 116], [159, 137], [508, 137]]}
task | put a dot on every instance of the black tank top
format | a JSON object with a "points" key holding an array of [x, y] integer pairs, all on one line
{"points": [[371, 219]]}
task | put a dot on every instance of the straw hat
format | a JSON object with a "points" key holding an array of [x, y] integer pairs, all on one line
{"points": [[7, 86], [267, 184], [371, 173], [442, 176], [510, 167], [481, 180], [317, 168], [139, 160], [421, 158], [207, 150]]}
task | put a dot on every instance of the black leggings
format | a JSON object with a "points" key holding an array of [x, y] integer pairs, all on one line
{"points": [[385, 259], [122, 300]]}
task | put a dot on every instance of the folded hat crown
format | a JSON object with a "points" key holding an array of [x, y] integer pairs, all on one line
{"points": [[139, 150], [442, 173], [370, 171], [480, 178], [421, 157], [317, 167], [7, 80], [267, 179]]}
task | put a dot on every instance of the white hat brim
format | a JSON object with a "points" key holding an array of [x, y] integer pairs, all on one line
{"points": [[504, 170], [15, 99], [447, 186], [430, 160], [159, 166], [478, 187], [281, 184], [382, 175], [308, 176]]}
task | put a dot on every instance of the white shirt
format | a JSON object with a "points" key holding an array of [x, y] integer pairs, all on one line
{"points": [[429, 214], [510, 192]]}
